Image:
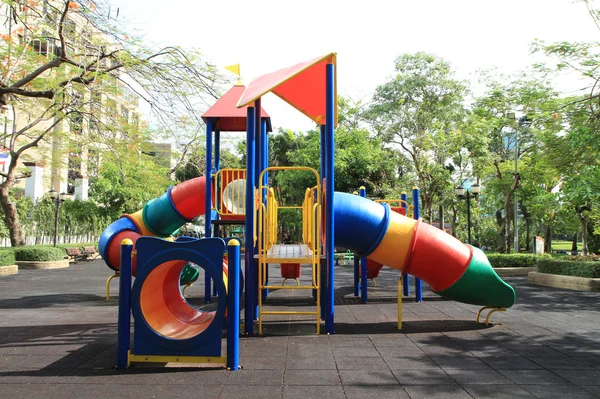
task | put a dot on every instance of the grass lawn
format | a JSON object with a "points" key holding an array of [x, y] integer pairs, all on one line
{"points": [[564, 245]]}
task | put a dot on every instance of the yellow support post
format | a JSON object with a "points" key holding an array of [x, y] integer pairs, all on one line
{"points": [[108, 285], [400, 303]]}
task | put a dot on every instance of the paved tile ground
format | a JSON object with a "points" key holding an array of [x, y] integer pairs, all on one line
{"points": [[58, 340]]}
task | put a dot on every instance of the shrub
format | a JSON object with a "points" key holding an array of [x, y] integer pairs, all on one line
{"points": [[581, 258], [39, 254], [512, 260], [569, 268], [7, 258]]}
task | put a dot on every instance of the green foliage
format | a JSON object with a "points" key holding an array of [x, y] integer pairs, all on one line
{"points": [[594, 237], [583, 258], [512, 260], [39, 253], [419, 112], [195, 166], [290, 222], [80, 218], [569, 268], [127, 180], [7, 258]]}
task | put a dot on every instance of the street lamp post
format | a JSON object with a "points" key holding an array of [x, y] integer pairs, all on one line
{"points": [[57, 199], [460, 192], [521, 122]]}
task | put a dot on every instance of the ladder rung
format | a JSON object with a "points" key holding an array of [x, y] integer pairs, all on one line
{"points": [[288, 312], [288, 287]]}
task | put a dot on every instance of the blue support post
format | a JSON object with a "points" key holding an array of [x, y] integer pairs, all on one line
{"points": [[323, 153], [356, 274], [233, 305], [216, 168], [124, 319], [208, 200], [330, 187], [356, 269], [257, 169], [217, 157], [264, 164], [323, 175], [417, 215], [249, 305], [363, 262], [406, 279], [265, 151]]}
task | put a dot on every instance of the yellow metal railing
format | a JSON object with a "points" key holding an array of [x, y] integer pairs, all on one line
{"points": [[266, 221], [229, 196], [398, 203], [266, 235], [309, 218]]}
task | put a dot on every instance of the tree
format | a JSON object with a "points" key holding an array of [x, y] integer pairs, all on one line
{"points": [[581, 115], [195, 164], [414, 112], [511, 139], [582, 58], [127, 179], [63, 65]]}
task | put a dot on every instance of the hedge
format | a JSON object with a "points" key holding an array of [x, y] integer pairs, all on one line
{"points": [[7, 258], [513, 260], [569, 268], [79, 245], [39, 254]]}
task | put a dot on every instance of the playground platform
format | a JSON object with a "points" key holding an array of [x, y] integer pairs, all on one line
{"points": [[58, 340]]}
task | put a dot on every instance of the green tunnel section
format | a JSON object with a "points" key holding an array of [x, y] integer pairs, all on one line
{"points": [[161, 217], [189, 274], [480, 285]]}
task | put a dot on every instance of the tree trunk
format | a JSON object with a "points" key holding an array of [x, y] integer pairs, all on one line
{"points": [[507, 236], [454, 213], [574, 244], [507, 209], [548, 239], [527, 237], [583, 220], [17, 238], [442, 219]]}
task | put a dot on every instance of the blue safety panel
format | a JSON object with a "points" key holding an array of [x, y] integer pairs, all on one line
{"points": [[152, 252]]}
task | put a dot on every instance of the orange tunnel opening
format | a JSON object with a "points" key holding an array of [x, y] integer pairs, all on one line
{"points": [[165, 309]]}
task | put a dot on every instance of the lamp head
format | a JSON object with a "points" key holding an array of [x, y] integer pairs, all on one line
{"points": [[475, 188], [459, 191], [53, 194]]}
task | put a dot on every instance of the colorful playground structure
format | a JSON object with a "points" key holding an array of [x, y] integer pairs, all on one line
{"points": [[387, 233]]}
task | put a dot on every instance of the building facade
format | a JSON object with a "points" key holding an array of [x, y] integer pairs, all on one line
{"points": [[70, 154]]}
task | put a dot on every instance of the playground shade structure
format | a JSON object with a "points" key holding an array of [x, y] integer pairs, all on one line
{"points": [[452, 269]]}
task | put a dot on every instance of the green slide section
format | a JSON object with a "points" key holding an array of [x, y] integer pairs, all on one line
{"points": [[480, 285], [189, 275]]}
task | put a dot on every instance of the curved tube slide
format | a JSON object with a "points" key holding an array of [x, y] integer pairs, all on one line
{"points": [[162, 304], [160, 217], [164, 308], [452, 269]]}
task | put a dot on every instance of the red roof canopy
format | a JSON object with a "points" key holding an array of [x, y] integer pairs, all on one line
{"points": [[229, 117], [303, 86]]}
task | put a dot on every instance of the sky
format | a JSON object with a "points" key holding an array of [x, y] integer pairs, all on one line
{"points": [[264, 36]]}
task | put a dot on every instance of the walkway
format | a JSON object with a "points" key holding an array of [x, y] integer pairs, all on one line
{"points": [[58, 337]]}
